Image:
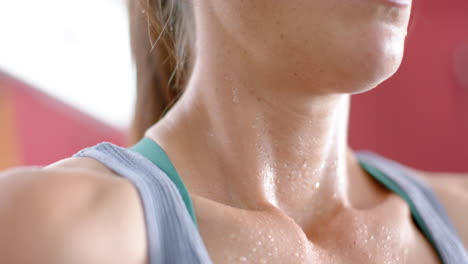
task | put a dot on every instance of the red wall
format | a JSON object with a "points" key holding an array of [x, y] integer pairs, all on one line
{"points": [[45, 129], [420, 116]]}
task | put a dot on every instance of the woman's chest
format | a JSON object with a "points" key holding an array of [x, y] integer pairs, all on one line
{"points": [[238, 236]]}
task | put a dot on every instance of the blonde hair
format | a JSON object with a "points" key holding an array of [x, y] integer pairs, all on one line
{"points": [[161, 40]]}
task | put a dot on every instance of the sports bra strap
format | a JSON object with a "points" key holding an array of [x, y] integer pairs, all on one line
{"points": [[152, 151], [426, 209]]}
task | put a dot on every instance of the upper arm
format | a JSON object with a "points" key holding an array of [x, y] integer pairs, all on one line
{"points": [[60, 216]]}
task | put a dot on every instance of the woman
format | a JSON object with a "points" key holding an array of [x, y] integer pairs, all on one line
{"points": [[258, 136]]}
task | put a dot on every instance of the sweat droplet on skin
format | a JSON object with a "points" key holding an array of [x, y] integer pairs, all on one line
{"points": [[317, 185], [235, 95]]}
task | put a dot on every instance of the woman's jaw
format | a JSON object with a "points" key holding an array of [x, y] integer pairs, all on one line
{"points": [[331, 46]]}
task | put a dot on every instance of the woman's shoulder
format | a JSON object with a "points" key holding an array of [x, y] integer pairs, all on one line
{"points": [[71, 211], [452, 191]]}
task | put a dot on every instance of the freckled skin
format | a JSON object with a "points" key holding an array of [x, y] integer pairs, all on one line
{"points": [[259, 139]]}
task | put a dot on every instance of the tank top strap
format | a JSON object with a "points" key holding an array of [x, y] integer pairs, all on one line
{"points": [[154, 152], [170, 230], [426, 209]]}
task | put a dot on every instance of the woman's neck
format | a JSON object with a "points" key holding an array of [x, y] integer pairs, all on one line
{"points": [[235, 140]]}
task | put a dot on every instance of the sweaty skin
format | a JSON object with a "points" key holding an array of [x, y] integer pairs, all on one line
{"points": [[260, 140]]}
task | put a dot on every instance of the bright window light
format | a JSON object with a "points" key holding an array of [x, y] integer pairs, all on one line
{"points": [[77, 51]]}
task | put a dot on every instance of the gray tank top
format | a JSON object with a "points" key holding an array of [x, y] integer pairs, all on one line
{"points": [[171, 226]]}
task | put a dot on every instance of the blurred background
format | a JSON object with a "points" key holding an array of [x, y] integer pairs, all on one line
{"points": [[67, 82]]}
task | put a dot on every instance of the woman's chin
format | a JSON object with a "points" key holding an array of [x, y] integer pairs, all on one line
{"points": [[360, 71], [379, 71], [373, 63], [367, 58]]}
